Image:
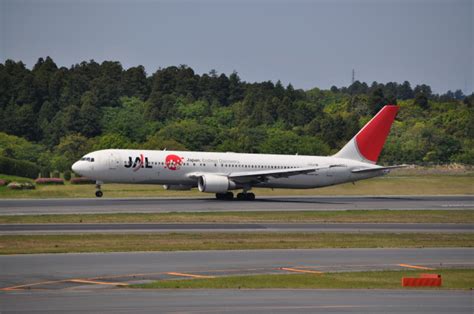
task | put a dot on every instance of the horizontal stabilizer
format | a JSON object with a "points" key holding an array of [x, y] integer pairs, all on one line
{"points": [[362, 170]]}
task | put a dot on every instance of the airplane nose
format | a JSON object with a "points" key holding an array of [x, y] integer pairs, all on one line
{"points": [[76, 167]]}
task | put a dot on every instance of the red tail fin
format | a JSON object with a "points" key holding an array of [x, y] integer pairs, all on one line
{"points": [[368, 143]]}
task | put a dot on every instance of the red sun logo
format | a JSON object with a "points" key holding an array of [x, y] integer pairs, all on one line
{"points": [[173, 162]]}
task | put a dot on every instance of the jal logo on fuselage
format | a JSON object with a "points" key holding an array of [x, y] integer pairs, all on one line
{"points": [[138, 162], [173, 162]]}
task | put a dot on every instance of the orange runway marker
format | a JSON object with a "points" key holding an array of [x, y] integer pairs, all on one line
{"points": [[125, 275], [415, 267], [189, 275], [19, 287], [98, 282], [296, 270]]}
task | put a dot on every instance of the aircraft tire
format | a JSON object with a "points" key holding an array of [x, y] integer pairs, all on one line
{"points": [[99, 193], [225, 196], [246, 196]]}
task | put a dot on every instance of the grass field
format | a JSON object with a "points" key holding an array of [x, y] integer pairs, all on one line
{"points": [[26, 244], [452, 279], [14, 178], [400, 182], [354, 216]]}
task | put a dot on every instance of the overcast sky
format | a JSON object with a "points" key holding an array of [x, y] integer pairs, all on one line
{"points": [[307, 43]]}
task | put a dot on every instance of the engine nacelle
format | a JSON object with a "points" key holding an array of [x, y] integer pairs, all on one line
{"points": [[177, 187], [212, 183]]}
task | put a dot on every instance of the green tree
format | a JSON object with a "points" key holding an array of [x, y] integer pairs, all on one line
{"points": [[111, 140], [190, 133], [89, 115], [421, 100], [71, 148], [159, 142], [376, 100], [128, 120], [134, 83], [405, 91], [287, 142]]}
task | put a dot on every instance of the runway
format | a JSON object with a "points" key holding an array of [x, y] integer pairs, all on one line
{"points": [[157, 205], [124, 267], [233, 227], [87, 282], [237, 301]]}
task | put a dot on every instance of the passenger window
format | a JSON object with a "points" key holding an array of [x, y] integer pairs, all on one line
{"points": [[92, 159]]}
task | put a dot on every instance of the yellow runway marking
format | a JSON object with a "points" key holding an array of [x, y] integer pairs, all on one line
{"points": [[125, 275], [26, 286], [31, 285], [189, 275], [415, 267], [296, 270], [98, 282]]}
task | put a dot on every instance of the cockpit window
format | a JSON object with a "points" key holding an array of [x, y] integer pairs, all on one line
{"points": [[90, 159]]}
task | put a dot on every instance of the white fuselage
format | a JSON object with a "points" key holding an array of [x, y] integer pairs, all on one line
{"points": [[180, 168]]}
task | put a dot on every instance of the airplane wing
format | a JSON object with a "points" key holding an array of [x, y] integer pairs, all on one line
{"points": [[263, 175], [362, 170]]}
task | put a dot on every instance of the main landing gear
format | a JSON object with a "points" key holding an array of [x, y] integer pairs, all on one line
{"points": [[98, 191], [225, 196], [246, 196], [230, 196]]}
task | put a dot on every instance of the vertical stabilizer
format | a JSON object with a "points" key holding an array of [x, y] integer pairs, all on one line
{"points": [[368, 143]]}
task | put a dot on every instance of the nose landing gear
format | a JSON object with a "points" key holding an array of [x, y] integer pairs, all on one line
{"points": [[98, 191]]}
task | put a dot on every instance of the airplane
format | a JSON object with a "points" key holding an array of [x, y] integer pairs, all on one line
{"points": [[222, 173]]}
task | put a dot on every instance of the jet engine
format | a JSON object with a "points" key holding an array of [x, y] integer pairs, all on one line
{"points": [[212, 183]]}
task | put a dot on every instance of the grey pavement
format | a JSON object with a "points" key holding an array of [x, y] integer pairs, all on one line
{"points": [[53, 297], [156, 205], [233, 227], [31, 268], [237, 301]]}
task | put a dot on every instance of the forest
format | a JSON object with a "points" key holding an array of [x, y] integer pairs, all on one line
{"points": [[50, 116]]}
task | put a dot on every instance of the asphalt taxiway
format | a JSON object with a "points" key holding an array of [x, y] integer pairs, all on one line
{"points": [[237, 301], [46, 270], [233, 227], [157, 205], [87, 282]]}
